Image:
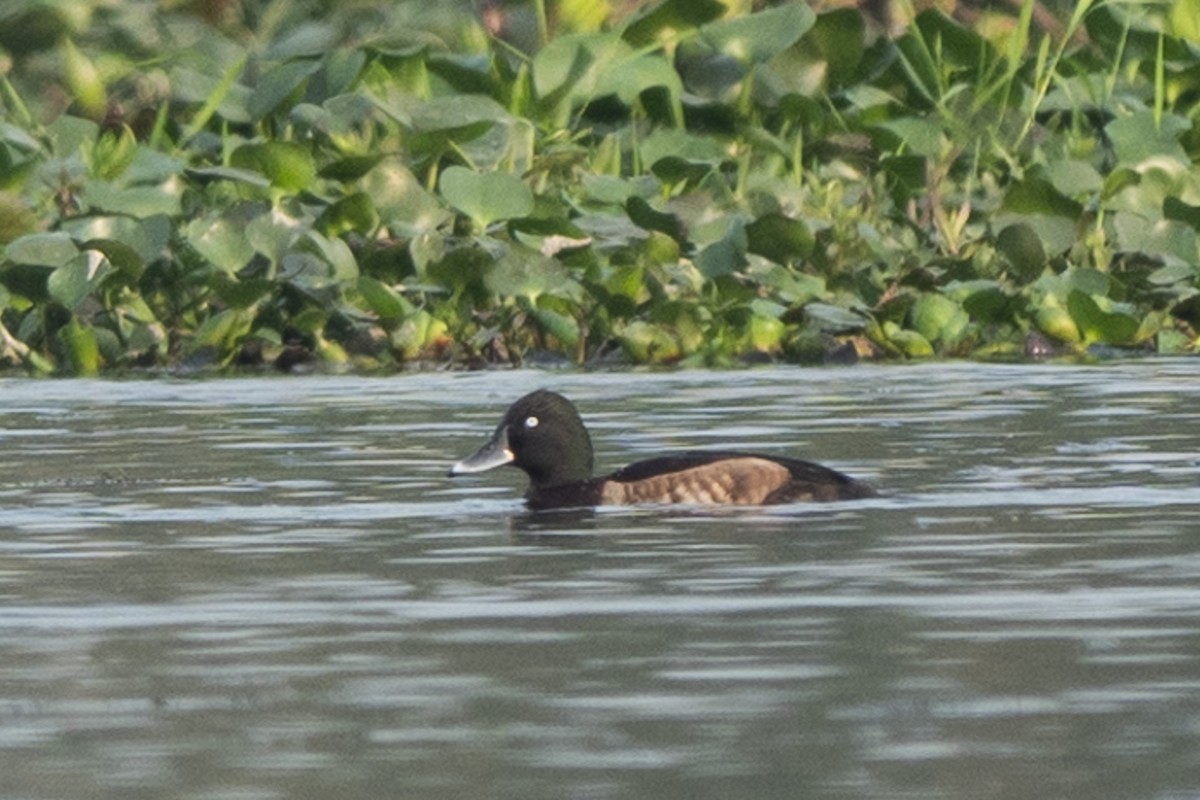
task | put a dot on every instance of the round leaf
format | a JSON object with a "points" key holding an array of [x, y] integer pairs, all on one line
{"points": [[401, 200], [1098, 325], [779, 238], [287, 165], [486, 197], [1023, 249], [42, 249], [936, 316], [911, 343], [757, 37]]}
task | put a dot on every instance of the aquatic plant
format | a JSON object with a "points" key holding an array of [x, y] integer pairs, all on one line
{"points": [[689, 182]]}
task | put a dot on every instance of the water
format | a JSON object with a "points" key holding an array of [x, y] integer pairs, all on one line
{"points": [[266, 588]]}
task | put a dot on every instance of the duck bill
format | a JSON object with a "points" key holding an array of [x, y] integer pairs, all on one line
{"points": [[495, 453]]}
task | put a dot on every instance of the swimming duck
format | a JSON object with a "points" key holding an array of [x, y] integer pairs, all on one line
{"points": [[543, 435]]}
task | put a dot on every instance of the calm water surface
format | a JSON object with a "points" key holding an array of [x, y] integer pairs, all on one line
{"points": [[265, 588]]}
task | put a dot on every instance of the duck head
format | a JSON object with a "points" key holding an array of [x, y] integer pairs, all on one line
{"points": [[540, 434]]}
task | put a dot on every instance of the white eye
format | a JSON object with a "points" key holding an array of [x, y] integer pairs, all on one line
{"points": [[531, 422]]}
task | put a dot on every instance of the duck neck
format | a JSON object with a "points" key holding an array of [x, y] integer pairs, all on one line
{"points": [[568, 465]]}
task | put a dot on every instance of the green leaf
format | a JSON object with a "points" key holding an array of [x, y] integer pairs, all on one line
{"points": [[838, 39], [311, 39], [1038, 196], [84, 81], [764, 332], [74, 281], [560, 326], [1176, 209], [287, 165], [756, 38], [654, 21], [150, 167], [486, 197], [574, 69], [1023, 249], [340, 67], [908, 175], [18, 138], [938, 318], [1098, 325], [955, 44], [914, 135], [567, 65], [308, 273], [26, 282], [1174, 273], [147, 237], [724, 256], [354, 212], [382, 299], [523, 272], [1088, 280], [17, 218], [248, 176], [1141, 136], [1074, 178], [124, 259], [241, 293], [789, 285], [779, 238], [401, 200], [1119, 181], [69, 134], [334, 252], [223, 330], [135, 201], [1184, 20], [42, 249], [628, 79], [461, 116], [79, 342], [221, 240], [911, 343], [277, 84], [271, 233], [681, 146], [646, 218], [1172, 342], [835, 319], [646, 343], [1052, 216], [983, 300], [1172, 241], [114, 152], [350, 168], [221, 94]]}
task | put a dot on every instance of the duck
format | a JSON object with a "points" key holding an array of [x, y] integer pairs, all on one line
{"points": [[543, 435]]}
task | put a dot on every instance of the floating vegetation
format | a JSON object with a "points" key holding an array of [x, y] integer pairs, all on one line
{"points": [[690, 183]]}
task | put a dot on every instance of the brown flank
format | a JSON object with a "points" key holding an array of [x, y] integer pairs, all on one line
{"points": [[736, 481]]}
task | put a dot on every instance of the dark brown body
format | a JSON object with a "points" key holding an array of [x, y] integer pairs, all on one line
{"points": [[543, 435], [706, 478]]}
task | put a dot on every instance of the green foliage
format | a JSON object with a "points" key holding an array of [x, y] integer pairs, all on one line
{"points": [[375, 184]]}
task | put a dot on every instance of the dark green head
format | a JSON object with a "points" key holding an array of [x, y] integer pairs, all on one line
{"points": [[543, 435]]}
